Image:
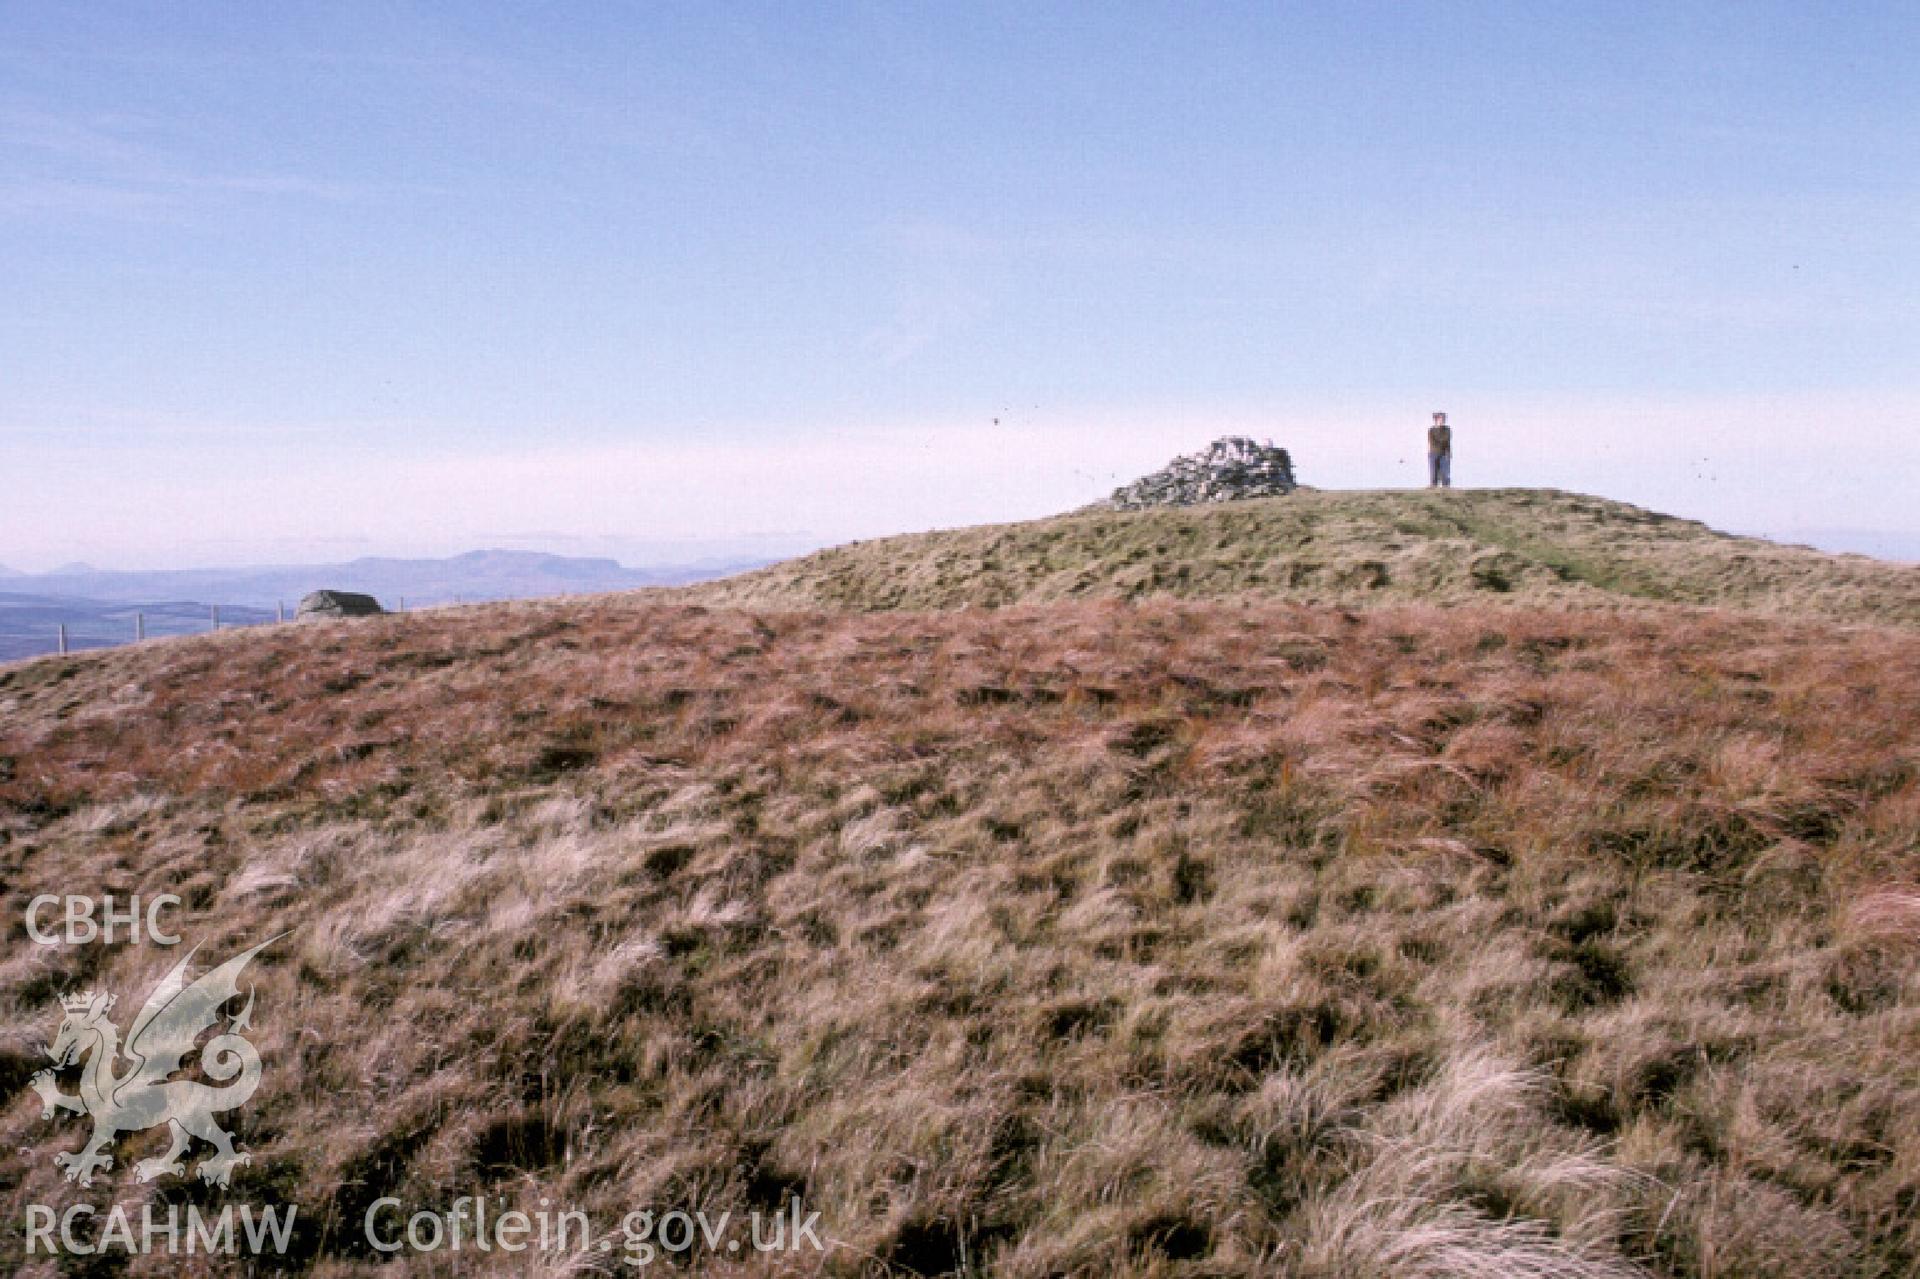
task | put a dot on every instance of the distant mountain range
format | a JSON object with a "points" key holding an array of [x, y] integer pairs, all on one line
{"points": [[98, 606]]}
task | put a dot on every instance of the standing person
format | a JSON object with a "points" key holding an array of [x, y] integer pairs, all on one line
{"points": [[1440, 453]]}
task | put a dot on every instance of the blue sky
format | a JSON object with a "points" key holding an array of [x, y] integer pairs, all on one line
{"points": [[399, 278]]}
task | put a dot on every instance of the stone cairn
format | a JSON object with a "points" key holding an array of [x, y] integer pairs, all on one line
{"points": [[1227, 470]]}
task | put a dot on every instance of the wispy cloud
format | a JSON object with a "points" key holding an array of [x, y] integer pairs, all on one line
{"points": [[636, 120], [941, 284], [99, 140], [124, 166], [83, 199]]}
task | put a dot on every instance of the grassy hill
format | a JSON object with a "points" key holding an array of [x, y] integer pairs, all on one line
{"points": [[1094, 938], [1524, 546]]}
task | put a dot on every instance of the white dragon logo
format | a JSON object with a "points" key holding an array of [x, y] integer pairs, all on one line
{"points": [[162, 1035]]}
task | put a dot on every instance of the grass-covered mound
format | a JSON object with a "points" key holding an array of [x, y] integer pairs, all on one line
{"points": [[1511, 546]]}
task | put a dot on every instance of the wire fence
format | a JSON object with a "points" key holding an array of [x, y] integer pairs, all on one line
{"points": [[54, 628], [51, 629]]}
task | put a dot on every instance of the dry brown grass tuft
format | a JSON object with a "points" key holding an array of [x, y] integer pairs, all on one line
{"points": [[1889, 915]]}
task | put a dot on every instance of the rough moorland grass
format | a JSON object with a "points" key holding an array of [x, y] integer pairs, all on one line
{"points": [[1091, 939], [1516, 546]]}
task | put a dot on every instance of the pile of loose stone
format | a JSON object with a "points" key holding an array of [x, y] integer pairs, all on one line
{"points": [[1227, 470]]}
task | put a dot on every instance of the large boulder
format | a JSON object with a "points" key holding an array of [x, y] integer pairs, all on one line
{"points": [[1228, 470], [338, 604]]}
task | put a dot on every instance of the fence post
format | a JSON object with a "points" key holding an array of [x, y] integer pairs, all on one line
{"points": [[139, 627], [279, 610], [63, 639], [216, 617]]}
